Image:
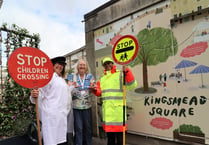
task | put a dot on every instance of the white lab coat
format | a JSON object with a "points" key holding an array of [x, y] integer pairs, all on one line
{"points": [[54, 104]]}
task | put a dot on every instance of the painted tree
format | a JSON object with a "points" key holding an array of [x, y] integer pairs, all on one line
{"points": [[155, 46]]}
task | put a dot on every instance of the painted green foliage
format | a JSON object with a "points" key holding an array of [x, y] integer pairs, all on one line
{"points": [[155, 46], [189, 129]]}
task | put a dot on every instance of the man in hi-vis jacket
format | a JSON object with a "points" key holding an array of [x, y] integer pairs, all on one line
{"points": [[110, 88]]}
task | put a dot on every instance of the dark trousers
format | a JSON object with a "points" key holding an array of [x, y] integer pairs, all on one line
{"points": [[82, 126], [65, 143], [114, 138]]}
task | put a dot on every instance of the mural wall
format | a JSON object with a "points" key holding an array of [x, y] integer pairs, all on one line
{"points": [[172, 71]]}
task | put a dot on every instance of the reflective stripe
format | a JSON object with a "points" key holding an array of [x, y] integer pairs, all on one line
{"points": [[114, 128], [112, 90], [113, 123], [128, 84], [112, 98]]}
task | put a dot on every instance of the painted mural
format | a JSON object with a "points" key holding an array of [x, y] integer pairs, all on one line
{"points": [[172, 71]]}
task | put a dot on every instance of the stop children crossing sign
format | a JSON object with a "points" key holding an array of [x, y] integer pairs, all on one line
{"points": [[30, 67]]}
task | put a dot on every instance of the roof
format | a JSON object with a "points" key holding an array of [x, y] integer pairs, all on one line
{"points": [[75, 51]]}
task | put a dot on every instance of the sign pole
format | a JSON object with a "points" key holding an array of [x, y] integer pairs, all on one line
{"points": [[38, 123], [124, 51], [37, 116], [124, 107]]}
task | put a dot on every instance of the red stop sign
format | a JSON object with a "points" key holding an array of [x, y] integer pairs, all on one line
{"points": [[30, 67]]}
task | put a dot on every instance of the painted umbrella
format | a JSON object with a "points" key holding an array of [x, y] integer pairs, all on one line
{"points": [[184, 64], [201, 26], [200, 70]]}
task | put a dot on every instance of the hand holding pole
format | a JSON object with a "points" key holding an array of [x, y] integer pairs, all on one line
{"points": [[34, 94]]}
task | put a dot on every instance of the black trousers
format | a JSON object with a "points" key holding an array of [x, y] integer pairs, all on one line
{"points": [[65, 143], [114, 138]]}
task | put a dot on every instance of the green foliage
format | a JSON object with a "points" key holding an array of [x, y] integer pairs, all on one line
{"points": [[16, 110], [188, 129]]}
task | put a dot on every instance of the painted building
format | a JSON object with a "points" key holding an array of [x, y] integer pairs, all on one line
{"points": [[171, 67], [184, 7]]}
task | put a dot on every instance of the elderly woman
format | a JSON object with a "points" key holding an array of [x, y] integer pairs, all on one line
{"points": [[54, 103], [81, 96]]}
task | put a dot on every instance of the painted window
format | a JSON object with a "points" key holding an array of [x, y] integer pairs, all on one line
{"points": [[107, 30], [159, 10], [186, 19], [132, 28], [199, 8]]}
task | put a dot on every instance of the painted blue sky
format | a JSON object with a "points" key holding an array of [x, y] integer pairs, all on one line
{"points": [[57, 21]]}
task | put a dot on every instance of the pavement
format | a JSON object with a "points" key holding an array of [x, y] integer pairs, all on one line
{"points": [[132, 139]]}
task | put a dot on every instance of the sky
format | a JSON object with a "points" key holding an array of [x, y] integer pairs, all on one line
{"points": [[58, 22]]}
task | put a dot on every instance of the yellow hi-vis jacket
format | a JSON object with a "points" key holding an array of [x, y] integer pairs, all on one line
{"points": [[110, 88]]}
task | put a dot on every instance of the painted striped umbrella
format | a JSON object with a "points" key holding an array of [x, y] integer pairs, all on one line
{"points": [[184, 64], [200, 70]]}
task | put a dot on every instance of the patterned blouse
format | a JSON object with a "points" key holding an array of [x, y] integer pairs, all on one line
{"points": [[81, 96]]}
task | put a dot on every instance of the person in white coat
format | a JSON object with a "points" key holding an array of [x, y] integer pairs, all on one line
{"points": [[54, 104]]}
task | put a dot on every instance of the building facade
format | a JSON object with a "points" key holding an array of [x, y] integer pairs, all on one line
{"points": [[171, 67], [73, 57], [1, 1]]}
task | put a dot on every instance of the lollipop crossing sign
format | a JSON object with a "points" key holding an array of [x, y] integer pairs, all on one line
{"points": [[125, 49], [30, 67]]}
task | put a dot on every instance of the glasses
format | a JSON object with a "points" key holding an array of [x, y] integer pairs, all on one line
{"points": [[107, 63]]}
